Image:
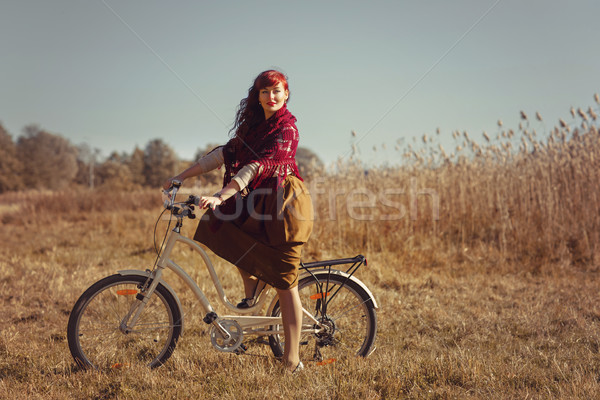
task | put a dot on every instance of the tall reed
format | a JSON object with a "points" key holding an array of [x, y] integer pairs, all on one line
{"points": [[515, 199]]}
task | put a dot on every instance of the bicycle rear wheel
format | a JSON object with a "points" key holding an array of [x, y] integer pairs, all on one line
{"points": [[348, 322], [94, 334]]}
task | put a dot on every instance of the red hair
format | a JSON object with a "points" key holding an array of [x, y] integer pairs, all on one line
{"points": [[250, 113]]}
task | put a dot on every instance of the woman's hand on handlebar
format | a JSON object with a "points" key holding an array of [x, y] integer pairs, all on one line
{"points": [[169, 182], [210, 202]]}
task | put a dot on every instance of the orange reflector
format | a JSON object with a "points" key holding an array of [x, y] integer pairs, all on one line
{"points": [[120, 365], [319, 296], [325, 362], [126, 292]]}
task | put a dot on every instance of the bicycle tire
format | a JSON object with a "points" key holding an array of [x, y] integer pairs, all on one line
{"points": [[93, 333], [351, 320]]}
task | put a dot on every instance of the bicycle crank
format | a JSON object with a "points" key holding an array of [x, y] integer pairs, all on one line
{"points": [[227, 339]]}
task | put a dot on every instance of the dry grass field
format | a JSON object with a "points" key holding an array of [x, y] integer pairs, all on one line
{"points": [[484, 263]]}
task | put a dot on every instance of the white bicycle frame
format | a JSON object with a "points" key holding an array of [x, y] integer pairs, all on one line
{"points": [[250, 324]]}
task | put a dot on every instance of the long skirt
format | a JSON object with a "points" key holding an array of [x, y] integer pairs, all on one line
{"points": [[263, 233]]}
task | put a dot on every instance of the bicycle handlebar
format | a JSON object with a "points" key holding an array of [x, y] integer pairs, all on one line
{"points": [[180, 209]]}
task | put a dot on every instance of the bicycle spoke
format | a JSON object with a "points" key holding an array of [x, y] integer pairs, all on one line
{"points": [[151, 327], [345, 311]]}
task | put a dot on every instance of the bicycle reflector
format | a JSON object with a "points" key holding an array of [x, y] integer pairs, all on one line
{"points": [[126, 292], [319, 296], [325, 362]]}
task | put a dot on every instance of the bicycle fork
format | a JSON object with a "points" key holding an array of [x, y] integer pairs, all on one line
{"points": [[142, 297]]}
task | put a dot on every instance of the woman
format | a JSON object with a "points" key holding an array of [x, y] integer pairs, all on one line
{"points": [[263, 215]]}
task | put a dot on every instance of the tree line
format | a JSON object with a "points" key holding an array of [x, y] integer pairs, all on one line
{"points": [[39, 159]]}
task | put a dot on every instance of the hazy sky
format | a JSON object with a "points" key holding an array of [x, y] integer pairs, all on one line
{"points": [[116, 74]]}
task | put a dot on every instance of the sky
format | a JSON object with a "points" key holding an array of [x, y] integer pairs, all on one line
{"points": [[116, 74]]}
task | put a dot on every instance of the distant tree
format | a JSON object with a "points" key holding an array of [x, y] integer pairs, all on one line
{"points": [[118, 157], [49, 161], [87, 160], [160, 162], [114, 174], [309, 163], [10, 165], [83, 168], [135, 162]]}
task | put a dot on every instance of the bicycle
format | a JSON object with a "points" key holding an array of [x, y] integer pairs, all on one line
{"points": [[134, 317]]}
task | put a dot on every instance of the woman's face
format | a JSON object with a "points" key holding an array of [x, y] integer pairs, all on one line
{"points": [[272, 98]]}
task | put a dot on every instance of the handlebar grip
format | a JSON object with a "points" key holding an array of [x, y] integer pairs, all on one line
{"points": [[193, 200]]}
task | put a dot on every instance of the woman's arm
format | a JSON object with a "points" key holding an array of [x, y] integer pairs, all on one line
{"points": [[219, 198], [209, 162], [238, 182]]}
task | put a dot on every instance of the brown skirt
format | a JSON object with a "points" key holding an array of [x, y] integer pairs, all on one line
{"points": [[264, 232]]}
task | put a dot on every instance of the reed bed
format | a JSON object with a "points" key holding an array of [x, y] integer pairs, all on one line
{"points": [[520, 200], [483, 261]]}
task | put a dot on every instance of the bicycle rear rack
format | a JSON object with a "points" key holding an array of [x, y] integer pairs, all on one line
{"points": [[356, 262]]}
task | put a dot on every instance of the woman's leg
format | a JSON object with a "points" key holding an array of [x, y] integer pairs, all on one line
{"points": [[250, 283], [291, 314]]}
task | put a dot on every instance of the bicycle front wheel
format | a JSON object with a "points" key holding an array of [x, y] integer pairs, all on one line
{"points": [[97, 338], [347, 323]]}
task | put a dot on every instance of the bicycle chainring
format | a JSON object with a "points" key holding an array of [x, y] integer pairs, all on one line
{"points": [[230, 344]]}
